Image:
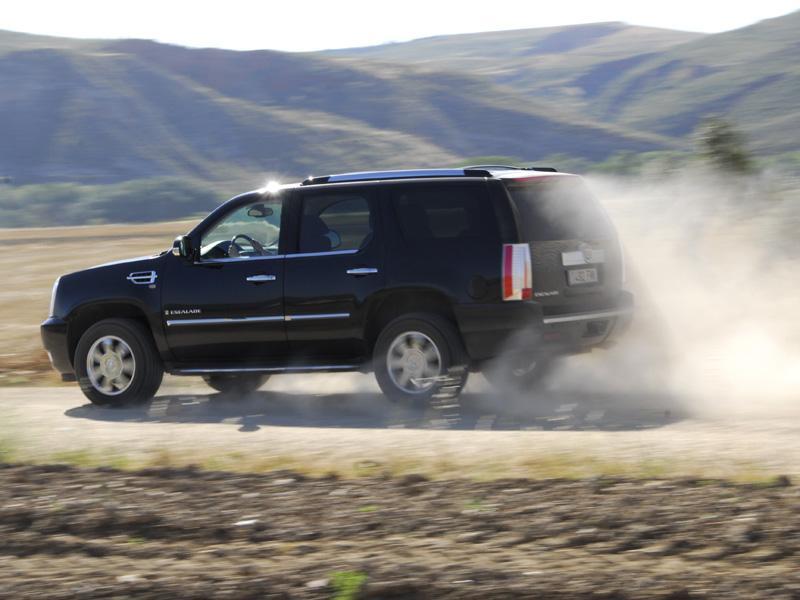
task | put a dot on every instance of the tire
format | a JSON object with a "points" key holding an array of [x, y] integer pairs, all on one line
{"points": [[426, 335], [237, 383], [117, 342], [519, 374]]}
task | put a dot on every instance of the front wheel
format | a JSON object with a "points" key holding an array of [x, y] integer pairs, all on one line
{"points": [[236, 383], [117, 363], [412, 352]]}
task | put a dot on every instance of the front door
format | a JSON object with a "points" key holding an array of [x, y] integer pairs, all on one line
{"points": [[332, 273], [227, 305]]}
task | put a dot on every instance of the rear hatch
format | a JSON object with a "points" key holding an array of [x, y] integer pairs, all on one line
{"points": [[576, 256]]}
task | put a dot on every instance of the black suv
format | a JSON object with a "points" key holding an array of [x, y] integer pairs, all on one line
{"points": [[405, 273]]}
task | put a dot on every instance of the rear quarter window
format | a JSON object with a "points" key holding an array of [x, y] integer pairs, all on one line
{"points": [[558, 208], [441, 213]]}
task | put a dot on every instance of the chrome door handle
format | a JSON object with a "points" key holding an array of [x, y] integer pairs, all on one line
{"points": [[362, 271], [260, 278]]}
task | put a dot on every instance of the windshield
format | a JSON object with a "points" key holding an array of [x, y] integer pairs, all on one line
{"points": [[558, 208]]}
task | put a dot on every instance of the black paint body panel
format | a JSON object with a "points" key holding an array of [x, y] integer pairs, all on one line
{"points": [[263, 324]]}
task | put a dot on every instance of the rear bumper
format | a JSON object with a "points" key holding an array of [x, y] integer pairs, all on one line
{"points": [[492, 330], [54, 339], [576, 331]]}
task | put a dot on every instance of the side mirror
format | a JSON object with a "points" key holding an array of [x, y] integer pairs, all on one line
{"points": [[182, 246]]}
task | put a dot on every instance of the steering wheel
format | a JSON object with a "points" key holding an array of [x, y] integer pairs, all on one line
{"points": [[256, 245]]}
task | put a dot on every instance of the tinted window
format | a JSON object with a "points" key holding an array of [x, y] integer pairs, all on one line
{"points": [[558, 208], [444, 212], [337, 221]]}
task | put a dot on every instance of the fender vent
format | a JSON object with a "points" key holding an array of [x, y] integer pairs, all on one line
{"points": [[143, 277]]}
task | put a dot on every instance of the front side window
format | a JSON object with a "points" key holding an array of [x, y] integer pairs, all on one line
{"points": [[249, 231], [335, 222]]}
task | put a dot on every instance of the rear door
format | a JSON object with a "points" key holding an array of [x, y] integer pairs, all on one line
{"points": [[577, 263], [448, 239], [335, 266]]}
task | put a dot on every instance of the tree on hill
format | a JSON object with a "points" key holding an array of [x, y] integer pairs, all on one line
{"points": [[723, 146]]}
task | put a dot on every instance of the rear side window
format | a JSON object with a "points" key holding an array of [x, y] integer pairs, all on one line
{"points": [[444, 212], [334, 222], [558, 208]]}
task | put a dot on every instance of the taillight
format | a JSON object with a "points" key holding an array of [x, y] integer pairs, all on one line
{"points": [[517, 279]]}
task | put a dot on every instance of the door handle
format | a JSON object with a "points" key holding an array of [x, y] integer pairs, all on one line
{"points": [[362, 271], [261, 278]]}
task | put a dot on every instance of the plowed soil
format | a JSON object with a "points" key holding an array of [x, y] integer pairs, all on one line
{"points": [[165, 533]]}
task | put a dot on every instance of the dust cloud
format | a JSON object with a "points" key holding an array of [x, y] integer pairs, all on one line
{"points": [[713, 262]]}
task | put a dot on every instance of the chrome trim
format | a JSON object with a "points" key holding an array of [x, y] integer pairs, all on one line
{"points": [[238, 259], [53, 293], [142, 277], [274, 256], [330, 253], [367, 175], [230, 320], [271, 369], [257, 278], [317, 316], [223, 320], [587, 316], [362, 271]]}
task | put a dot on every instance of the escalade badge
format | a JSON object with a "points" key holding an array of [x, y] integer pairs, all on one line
{"points": [[182, 311]]}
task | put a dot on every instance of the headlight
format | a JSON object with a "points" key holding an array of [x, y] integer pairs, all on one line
{"points": [[53, 298]]}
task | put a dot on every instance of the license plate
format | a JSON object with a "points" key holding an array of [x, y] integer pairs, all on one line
{"points": [[582, 276]]}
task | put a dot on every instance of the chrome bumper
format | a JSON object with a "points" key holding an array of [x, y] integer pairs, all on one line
{"points": [[588, 316]]}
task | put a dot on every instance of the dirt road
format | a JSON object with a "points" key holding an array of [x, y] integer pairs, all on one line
{"points": [[352, 430], [558, 515]]}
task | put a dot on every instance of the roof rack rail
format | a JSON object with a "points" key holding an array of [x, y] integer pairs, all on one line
{"points": [[509, 167], [406, 174], [513, 168]]}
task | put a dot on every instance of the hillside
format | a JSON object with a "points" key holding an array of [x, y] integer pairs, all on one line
{"points": [[106, 111], [663, 82], [100, 117], [539, 62], [751, 75]]}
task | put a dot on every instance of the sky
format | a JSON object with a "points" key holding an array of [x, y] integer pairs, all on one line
{"points": [[315, 25]]}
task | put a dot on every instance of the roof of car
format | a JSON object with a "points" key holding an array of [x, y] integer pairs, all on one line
{"points": [[476, 171], [494, 171]]}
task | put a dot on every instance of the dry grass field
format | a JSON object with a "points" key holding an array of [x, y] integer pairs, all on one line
{"points": [[31, 259]]}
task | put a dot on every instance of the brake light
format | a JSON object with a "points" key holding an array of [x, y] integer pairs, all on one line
{"points": [[517, 278]]}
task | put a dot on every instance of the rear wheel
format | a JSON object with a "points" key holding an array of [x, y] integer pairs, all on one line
{"points": [[117, 363], [412, 352], [236, 383]]}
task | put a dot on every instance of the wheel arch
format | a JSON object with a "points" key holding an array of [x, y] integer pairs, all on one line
{"points": [[83, 317], [398, 302]]}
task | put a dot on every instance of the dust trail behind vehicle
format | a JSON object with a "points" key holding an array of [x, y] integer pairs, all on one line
{"points": [[713, 262]]}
